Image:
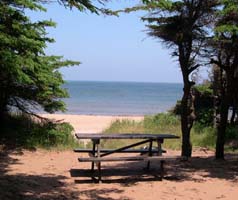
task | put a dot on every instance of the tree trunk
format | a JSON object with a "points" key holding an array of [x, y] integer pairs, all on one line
{"points": [[186, 123], [226, 101], [221, 129]]}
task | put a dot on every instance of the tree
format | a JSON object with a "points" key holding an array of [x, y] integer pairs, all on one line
{"points": [[29, 78], [225, 49], [183, 26]]}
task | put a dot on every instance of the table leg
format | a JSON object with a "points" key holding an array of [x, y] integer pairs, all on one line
{"points": [[99, 163], [150, 154], [162, 169], [159, 143], [93, 153]]}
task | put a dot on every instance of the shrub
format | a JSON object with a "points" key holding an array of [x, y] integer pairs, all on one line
{"points": [[203, 105], [25, 131]]}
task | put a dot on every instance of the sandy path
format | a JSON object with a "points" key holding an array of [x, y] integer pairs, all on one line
{"points": [[90, 123], [46, 175]]}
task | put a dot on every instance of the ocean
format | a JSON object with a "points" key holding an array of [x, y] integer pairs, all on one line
{"points": [[121, 98]]}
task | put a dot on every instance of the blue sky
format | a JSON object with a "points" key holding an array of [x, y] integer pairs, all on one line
{"points": [[110, 48]]}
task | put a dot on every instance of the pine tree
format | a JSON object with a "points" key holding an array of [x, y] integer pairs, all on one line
{"points": [[29, 79]]}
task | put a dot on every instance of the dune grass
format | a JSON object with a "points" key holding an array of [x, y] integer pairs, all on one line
{"points": [[27, 132], [161, 123], [24, 131]]}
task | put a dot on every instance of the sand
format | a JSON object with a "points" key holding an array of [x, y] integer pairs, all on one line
{"points": [[89, 123], [57, 175]]}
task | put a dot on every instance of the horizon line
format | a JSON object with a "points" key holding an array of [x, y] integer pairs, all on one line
{"points": [[117, 81]]}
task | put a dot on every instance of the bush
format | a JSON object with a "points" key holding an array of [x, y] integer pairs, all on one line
{"points": [[232, 132], [203, 105], [25, 131]]}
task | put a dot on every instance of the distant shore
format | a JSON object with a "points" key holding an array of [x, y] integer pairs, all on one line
{"points": [[90, 123]]}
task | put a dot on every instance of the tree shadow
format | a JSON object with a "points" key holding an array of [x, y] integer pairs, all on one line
{"points": [[25, 186], [205, 167], [124, 176], [196, 169], [22, 186], [102, 194]]}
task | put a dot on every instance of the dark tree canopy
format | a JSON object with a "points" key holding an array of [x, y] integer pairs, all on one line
{"points": [[225, 57]]}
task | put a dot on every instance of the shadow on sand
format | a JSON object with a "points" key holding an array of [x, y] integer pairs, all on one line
{"points": [[133, 172], [52, 186], [44, 187]]}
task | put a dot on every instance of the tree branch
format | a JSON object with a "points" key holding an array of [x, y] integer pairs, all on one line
{"points": [[193, 68]]}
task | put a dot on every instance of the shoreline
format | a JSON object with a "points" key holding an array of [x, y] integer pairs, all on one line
{"points": [[90, 123], [103, 115]]}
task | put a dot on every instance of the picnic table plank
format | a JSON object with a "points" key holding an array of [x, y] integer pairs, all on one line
{"points": [[79, 150], [124, 136], [133, 158]]}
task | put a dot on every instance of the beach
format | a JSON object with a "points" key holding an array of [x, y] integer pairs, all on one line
{"points": [[57, 175], [89, 123]]}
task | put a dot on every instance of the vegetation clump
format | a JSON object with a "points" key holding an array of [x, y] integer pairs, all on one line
{"points": [[202, 135], [21, 130]]}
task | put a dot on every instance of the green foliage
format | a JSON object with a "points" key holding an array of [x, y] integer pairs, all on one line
{"points": [[163, 4], [183, 27], [203, 105], [124, 126], [227, 15], [27, 132], [161, 123], [231, 138], [201, 136], [225, 55], [205, 116], [232, 132], [205, 89], [29, 78], [80, 5]]}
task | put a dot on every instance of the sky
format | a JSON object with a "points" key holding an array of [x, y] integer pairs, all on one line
{"points": [[109, 48]]}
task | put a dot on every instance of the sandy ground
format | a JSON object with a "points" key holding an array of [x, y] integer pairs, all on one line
{"points": [[89, 123], [55, 175]]}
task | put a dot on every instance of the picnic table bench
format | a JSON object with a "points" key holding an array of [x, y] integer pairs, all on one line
{"points": [[98, 155]]}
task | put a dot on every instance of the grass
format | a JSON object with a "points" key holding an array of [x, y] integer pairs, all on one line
{"points": [[27, 132], [161, 123]]}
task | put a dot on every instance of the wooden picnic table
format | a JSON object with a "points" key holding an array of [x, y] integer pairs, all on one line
{"points": [[98, 155]]}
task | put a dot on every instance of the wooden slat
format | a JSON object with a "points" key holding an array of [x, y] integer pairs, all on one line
{"points": [[123, 151], [94, 136], [135, 158]]}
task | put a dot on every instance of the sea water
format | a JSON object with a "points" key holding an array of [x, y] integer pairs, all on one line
{"points": [[120, 98]]}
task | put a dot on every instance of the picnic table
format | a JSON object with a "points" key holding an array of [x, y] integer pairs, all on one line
{"points": [[98, 155]]}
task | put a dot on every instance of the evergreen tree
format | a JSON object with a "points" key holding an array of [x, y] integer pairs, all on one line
{"points": [[29, 79], [225, 56], [183, 26]]}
